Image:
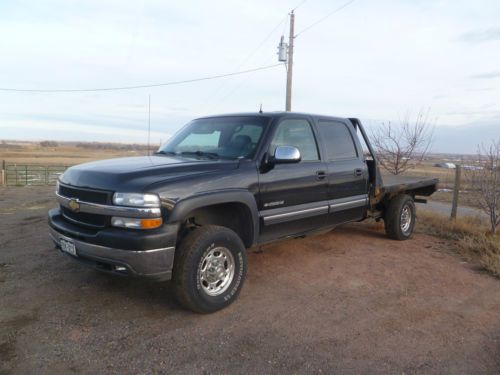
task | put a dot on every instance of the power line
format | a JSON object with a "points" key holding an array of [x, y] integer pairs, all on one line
{"points": [[171, 83], [325, 17], [216, 92], [283, 20], [298, 6], [238, 86], [251, 54]]}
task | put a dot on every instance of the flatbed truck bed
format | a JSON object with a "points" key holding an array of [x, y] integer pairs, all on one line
{"points": [[419, 185]]}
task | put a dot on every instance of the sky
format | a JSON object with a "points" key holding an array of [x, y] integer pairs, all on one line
{"points": [[375, 60]]}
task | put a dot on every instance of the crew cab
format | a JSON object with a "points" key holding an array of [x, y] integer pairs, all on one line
{"points": [[219, 186]]}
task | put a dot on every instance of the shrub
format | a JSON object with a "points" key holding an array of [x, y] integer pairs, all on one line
{"points": [[49, 144]]}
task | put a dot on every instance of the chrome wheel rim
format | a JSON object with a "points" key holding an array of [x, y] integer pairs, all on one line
{"points": [[216, 271], [406, 219]]}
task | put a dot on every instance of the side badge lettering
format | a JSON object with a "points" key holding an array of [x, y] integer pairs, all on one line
{"points": [[273, 204]]}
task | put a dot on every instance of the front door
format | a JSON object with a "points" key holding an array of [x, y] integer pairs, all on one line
{"points": [[293, 197]]}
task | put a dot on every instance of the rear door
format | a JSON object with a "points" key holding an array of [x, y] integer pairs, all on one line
{"points": [[293, 197], [346, 169]]}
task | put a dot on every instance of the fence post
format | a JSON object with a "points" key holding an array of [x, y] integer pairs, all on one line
{"points": [[3, 178], [26, 174], [456, 189]]}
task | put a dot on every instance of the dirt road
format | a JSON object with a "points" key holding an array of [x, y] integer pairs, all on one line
{"points": [[350, 301]]}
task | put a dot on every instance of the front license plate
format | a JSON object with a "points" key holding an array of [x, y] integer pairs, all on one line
{"points": [[68, 246]]}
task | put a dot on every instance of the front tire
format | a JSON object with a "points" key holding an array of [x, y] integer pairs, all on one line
{"points": [[399, 217], [209, 269]]}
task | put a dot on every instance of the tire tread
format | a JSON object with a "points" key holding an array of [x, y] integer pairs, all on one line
{"points": [[392, 217], [184, 260]]}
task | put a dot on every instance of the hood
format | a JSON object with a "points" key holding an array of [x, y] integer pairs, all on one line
{"points": [[134, 174]]}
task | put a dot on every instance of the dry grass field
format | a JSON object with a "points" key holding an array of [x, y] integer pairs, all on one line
{"points": [[64, 154], [473, 241], [72, 153], [446, 180]]}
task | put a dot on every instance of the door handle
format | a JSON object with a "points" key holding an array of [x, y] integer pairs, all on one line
{"points": [[358, 172], [320, 175]]}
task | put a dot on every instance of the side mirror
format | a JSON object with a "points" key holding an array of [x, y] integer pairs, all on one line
{"points": [[286, 154]]}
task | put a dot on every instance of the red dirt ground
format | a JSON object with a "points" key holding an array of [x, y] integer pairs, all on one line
{"points": [[349, 301]]}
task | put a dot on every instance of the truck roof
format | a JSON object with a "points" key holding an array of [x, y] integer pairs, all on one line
{"points": [[275, 114]]}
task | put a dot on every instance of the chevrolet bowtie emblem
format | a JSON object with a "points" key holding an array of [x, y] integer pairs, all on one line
{"points": [[74, 205]]}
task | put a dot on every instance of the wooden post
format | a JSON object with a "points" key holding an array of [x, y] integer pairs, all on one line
{"points": [[2, 176], [456, 189]]}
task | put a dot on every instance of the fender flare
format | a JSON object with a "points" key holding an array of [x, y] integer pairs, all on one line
{"points": [[183, 207]]}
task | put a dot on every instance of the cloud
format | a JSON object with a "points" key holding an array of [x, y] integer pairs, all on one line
{"points": [[487, 75], [481, 36], [480, 89], [339, 70]]}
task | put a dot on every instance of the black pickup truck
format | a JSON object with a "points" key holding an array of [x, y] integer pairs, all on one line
{"points": [[221, 185]]}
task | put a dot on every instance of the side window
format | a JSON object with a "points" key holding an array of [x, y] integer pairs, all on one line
{"points": [[296, 133], [337, 140]]}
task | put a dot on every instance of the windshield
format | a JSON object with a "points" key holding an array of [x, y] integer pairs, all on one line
{"points": [[217, 137]]}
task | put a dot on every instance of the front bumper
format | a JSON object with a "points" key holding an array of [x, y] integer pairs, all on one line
{"points": [[142, 253]]}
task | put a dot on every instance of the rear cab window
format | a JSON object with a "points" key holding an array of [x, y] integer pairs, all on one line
{"points": [[337, 139]]}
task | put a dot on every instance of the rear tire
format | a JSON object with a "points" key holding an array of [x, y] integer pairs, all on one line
{"points": [[209, 269], [399, 217]]}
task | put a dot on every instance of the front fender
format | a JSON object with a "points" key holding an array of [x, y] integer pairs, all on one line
{"points": [[183, 207]]}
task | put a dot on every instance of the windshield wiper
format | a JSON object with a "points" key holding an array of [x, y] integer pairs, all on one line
{"points": [[209, 155], [161, 152]]}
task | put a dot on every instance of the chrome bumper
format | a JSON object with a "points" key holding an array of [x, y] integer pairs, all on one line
{"points": [[154, 263]]}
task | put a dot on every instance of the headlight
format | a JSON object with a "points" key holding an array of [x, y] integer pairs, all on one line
{"points": [[127, 222], [136, 200]]}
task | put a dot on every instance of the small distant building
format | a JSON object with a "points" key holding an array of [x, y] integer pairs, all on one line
{"points": [[445, 165], [472, 167]]}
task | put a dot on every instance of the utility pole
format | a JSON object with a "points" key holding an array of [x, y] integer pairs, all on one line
{"points": [[149, 123], [290, 64]]}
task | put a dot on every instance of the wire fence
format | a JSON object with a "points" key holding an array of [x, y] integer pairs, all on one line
{"points": [[36, 175]]}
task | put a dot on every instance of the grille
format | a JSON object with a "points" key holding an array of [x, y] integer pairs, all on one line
{"points": [[84, 218], [86, 195]]}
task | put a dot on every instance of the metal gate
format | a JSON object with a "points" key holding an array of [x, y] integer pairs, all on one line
{"points": [[21, 175]]}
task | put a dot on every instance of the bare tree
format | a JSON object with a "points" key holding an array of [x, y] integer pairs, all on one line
{"points": [[486, 182], [401, 146]]}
